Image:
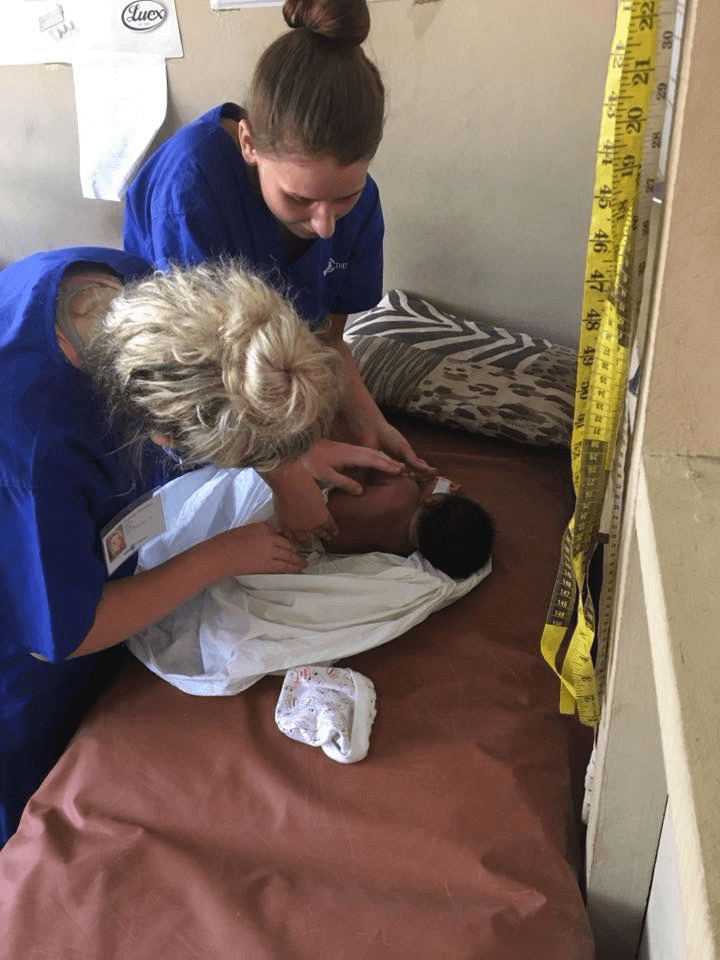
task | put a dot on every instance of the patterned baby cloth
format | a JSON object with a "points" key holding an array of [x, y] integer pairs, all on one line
{"points": [[328, 707]]}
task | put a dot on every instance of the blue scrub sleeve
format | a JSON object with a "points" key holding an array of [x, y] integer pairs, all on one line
{"points": [[187, 228], [51, 572]]}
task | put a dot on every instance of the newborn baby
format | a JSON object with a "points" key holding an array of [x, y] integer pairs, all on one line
{"points": [[401, 514]]}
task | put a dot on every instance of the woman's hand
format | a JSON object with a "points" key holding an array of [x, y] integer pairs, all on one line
{"points": [[359, 420], [303, 512], [390, 439], [133, 603], [258, 548], [300, 508], [326, 460]]}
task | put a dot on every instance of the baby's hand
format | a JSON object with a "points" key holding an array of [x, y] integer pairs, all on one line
{"points": [[258, 548]]}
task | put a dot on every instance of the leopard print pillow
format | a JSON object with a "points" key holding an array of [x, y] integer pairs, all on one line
{"points": [[464, 373]]}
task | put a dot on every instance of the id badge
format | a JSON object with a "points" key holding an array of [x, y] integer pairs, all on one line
{"points": [[129, 530]]}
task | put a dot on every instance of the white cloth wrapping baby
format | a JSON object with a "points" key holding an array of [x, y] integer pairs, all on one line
{"points": [[236, 631]]}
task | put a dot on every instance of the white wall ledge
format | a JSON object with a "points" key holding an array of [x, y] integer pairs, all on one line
{"points": [[678, 530]]}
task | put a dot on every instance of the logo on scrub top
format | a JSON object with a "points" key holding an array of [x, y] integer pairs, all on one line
{"points": [[334, 265], [144, 15]]}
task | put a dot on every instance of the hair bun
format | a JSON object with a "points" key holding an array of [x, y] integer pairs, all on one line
{"points": [[344, 20]]}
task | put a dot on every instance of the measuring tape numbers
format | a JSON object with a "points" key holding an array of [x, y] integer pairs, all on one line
{"points": [[605, 337], [648, 217]]}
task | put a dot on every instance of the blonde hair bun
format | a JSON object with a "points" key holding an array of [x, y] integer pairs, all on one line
{"points": [[214, 359]]}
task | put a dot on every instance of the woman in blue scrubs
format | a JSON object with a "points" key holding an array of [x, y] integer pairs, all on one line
{"points": [[284, 184], [209, 361]]}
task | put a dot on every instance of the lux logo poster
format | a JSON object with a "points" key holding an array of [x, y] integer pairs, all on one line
{"points": [[64, 31]]}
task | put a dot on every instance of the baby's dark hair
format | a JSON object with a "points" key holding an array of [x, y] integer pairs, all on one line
{"points": [[456, 535]]}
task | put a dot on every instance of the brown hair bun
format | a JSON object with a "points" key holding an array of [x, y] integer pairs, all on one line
{"points": [[345, 20]]}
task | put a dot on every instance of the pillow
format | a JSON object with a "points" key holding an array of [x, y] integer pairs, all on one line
{"points": [[464, 373]]}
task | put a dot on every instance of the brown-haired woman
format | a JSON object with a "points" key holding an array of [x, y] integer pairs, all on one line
{"points": [[284, 184]]}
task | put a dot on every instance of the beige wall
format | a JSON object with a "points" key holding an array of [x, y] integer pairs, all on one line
{"points": [[485, 170], [685, 396]]}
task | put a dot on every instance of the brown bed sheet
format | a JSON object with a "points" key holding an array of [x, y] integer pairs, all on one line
{"points": [[184, 827]]}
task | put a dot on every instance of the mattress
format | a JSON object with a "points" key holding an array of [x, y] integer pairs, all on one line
{"points": [[185, 826]]}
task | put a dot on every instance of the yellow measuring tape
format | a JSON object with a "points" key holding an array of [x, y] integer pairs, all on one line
{"points": [[603, 347]]}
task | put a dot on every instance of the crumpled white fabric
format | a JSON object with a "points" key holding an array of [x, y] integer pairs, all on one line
{"points": [[233, 633], [328, 707]]}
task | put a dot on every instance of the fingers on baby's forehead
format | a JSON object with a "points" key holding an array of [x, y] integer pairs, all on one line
{"points": [[360, 474], [382, 476]]}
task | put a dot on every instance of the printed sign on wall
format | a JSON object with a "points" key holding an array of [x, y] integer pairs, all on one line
{"points": [[46, 31]]}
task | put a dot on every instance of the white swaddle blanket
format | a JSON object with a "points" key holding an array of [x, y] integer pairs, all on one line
{"points": [[238, 630]]}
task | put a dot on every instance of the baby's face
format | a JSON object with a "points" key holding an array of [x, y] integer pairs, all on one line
{"points": [[382, 517]]}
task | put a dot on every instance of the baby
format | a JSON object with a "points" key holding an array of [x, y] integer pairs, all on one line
{"points": [[401, 514]]}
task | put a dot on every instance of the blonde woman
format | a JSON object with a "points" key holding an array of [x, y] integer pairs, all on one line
{"points": [[211, 364]]}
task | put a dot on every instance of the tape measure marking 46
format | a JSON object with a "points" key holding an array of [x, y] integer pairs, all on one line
{"points": [[603, 346]]}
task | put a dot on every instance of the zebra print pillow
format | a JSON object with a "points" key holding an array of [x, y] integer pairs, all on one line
{"points": [[464, 373]]}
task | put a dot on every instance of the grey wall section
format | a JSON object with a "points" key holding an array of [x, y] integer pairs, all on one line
{"points": [[486, 168]]}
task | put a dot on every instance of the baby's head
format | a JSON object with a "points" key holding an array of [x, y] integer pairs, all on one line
{"points": [[400, 514], [454, 533]]}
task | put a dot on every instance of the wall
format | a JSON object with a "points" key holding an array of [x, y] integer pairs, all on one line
{"points": [[486, 168], [663, 937], [680, 507]]}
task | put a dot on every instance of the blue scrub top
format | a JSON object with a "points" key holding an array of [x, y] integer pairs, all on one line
{"points": [[192, 201], [62, 480]]}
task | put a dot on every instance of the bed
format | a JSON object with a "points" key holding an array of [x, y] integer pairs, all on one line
{"points": [[186, 826]]}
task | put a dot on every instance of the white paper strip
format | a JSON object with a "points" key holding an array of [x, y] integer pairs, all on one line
{"points": [[121, 103]]}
